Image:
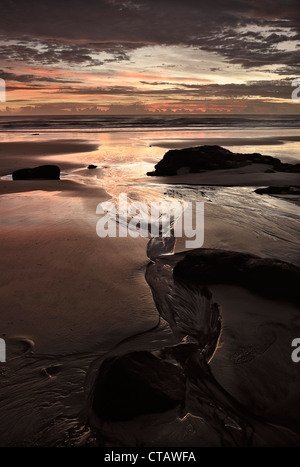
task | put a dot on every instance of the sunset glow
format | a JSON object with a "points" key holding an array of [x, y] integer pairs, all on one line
{"points": [[137, 57]]}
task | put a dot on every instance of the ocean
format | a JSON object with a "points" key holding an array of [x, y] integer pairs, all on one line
{"points": [[278, 135]]}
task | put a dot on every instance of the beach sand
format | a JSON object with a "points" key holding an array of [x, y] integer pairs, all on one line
{"points": [[15, 155], [55, 264], [69, 297], [173, 143], [64, 291], [251, 175]]}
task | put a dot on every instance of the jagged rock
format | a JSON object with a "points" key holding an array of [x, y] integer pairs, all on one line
{"points": [[43, 172], [265, 276], [136, 384], [203, 158], [279, 190]]}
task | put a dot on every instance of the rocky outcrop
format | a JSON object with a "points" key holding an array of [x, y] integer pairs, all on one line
{"points": [[136, 384], [203, 158], [267, 277], [170, 396], [43, 172]]}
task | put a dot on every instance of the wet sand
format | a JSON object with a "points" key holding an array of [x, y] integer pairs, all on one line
{"points": [[65, 294], [228, 142], [55, 264], [69, 298], [251, 175], [15, 155]]}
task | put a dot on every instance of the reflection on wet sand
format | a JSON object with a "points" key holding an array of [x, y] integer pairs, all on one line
{"points": [[83, 300]]}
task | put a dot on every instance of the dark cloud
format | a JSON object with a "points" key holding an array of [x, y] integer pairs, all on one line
{"points": [[48, 54], [253, 49], [30, 78], [279, 89], [71, 29]]}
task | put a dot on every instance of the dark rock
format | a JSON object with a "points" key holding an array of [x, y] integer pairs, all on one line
{"points": [[203, 158], [44, 172], [279, 190], [136, 384], [91, 167], [267, 277]]}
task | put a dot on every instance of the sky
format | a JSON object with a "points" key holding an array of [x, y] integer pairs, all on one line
{"points": [[149, 56]]}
